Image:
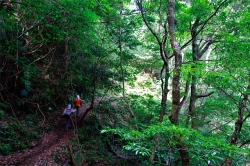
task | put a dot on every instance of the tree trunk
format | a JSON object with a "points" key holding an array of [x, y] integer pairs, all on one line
{"points": [[164, 57], [163, 108], [238, 124], [174, 116], [187, 88], [184, 155], [197, 53], [165, 91], [192, 102], [122, 69], [195, 48]]}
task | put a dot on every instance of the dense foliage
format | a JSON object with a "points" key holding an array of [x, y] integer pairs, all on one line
{"points": [[174, 77]]}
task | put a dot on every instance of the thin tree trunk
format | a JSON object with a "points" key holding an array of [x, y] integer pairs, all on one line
{"points": [[163, 108], [165, 68], [195, 48], [165, 91], [192, 102], [238, 124], [122, 69], [197, 53], [184, 99]]}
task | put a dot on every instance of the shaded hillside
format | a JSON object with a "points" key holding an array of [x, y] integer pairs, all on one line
{"points": [[53, 148]]}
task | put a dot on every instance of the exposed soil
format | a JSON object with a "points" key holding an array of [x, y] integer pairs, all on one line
{"points": [[42, 153]]}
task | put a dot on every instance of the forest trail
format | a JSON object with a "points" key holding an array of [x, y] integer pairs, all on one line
{"points": [[42, 153]]}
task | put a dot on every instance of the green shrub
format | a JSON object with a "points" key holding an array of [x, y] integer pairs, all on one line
{"points": [[15, 137]]}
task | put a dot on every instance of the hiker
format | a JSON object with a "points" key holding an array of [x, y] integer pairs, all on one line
{"points": [[78, 101], [66, 113]]}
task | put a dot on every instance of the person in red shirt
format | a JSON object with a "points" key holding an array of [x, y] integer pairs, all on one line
{"points": [[78, 102]]}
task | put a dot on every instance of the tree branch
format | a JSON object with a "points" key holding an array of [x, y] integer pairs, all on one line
{"points": [[202, 27], [244, 143], [39, 58], [205, 48], [164, 58], [204, 95], [35, 25], [72, 156]]}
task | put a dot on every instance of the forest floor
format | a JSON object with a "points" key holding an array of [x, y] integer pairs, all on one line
{"points": [[43, 152]]}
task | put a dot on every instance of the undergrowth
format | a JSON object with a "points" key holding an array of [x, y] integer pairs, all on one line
{"points": [[18, 132]]}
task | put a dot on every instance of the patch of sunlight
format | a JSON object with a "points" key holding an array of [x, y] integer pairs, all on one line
{"points": [[145, 85]]}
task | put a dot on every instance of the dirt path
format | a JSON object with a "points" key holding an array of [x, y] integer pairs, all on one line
{"points": [[42, 153]]}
